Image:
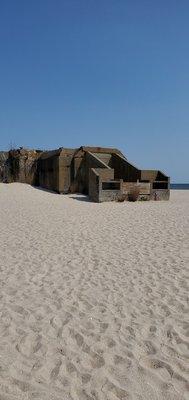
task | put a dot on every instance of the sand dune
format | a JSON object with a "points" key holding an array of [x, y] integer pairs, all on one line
{"points": [[93, 297]]}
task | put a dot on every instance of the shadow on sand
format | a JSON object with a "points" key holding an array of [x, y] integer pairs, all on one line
{"points": [[45, 190], [77, 196], [81, 197]]}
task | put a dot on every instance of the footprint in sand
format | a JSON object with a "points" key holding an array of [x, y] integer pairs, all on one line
{"points": [[97, 361]]}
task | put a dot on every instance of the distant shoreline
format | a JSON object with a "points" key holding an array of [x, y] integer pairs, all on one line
{"points": [[179, 186]]}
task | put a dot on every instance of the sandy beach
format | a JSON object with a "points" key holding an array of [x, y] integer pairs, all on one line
{"points": [[94, 298]]}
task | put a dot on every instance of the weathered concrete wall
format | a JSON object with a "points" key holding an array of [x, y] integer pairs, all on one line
{"points": [[153, 175], [109, 195], [64, 176], [100, 150], [148, 175], [22, 165], [82, 162], [160, 194], [144, 188], [104, 157], [94, 181], [110, 190], [100, 177], [77, 172], [90, 161], [65, 165], [4, 166], [54, 170], [106, 174], [123, 169], [146, 191], [48, 173]]}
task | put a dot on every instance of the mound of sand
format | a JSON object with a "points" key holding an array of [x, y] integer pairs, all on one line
{"points": [[94, 297]]}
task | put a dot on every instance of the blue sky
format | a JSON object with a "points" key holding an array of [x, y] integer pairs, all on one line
{"points": [[98, 72]]}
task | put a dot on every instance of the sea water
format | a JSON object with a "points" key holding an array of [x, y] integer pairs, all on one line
{"points": [[179, 186]]}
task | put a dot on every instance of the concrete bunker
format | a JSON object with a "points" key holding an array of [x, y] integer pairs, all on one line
{"points": [[103, 173]]}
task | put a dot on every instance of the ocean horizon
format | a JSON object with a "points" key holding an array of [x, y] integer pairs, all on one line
{"points": [[179, 186]]}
